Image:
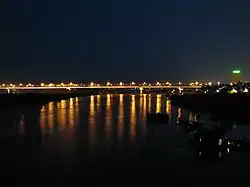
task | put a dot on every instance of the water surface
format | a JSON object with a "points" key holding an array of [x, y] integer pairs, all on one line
{"points": [[97, 136]]}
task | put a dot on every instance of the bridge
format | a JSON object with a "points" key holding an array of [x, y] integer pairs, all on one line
{"points": [[103, 87], [120, 85]]}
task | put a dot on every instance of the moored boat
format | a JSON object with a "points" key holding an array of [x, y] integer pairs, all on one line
{"points": [[158, 117]]}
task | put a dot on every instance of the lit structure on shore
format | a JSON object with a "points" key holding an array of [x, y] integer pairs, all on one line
{"points": [[236, 76]]}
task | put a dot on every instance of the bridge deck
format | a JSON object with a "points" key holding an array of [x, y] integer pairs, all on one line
{"points": [[101, 87]]}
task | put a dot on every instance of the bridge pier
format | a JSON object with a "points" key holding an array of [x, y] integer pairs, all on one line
{"points": [[141, 89]]}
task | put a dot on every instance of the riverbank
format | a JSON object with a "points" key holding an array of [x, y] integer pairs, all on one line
{"points": [[225, 106], [35, 98]]}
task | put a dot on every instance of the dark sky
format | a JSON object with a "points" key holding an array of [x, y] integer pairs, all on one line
{"points": [[129, 40]]}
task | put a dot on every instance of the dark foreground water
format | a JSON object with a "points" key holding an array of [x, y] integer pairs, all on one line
{"points": [[104, 139]]}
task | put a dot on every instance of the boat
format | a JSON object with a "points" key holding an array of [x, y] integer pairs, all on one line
{"points": [[188, 123], [191, 126], [162, 118]]}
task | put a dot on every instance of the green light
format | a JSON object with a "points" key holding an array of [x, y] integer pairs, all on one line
{"points": [[236, 71]]}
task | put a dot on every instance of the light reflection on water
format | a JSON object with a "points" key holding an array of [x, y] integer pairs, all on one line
{"points": [[112, 116], [98, 124], [79, 126], [104, 111], [108, 117], [51, 116], [98, 120], [102, 120], [91, 121], [121, 117], [158, 103], [132, 118], [59, 116]]}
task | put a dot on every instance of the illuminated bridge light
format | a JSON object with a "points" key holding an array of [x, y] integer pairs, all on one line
{"points": [[81, 85]]}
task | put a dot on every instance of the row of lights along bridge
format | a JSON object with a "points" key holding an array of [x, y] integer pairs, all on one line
{"points": [[71, 84]]}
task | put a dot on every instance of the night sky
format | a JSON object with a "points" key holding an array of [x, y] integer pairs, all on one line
{"points": [[123, 40]]}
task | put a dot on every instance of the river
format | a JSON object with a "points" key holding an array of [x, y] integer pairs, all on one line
{"points": [[103, 135]]}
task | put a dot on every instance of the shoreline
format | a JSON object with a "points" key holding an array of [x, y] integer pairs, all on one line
{"points": [[220, 106], [13, 100]]}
